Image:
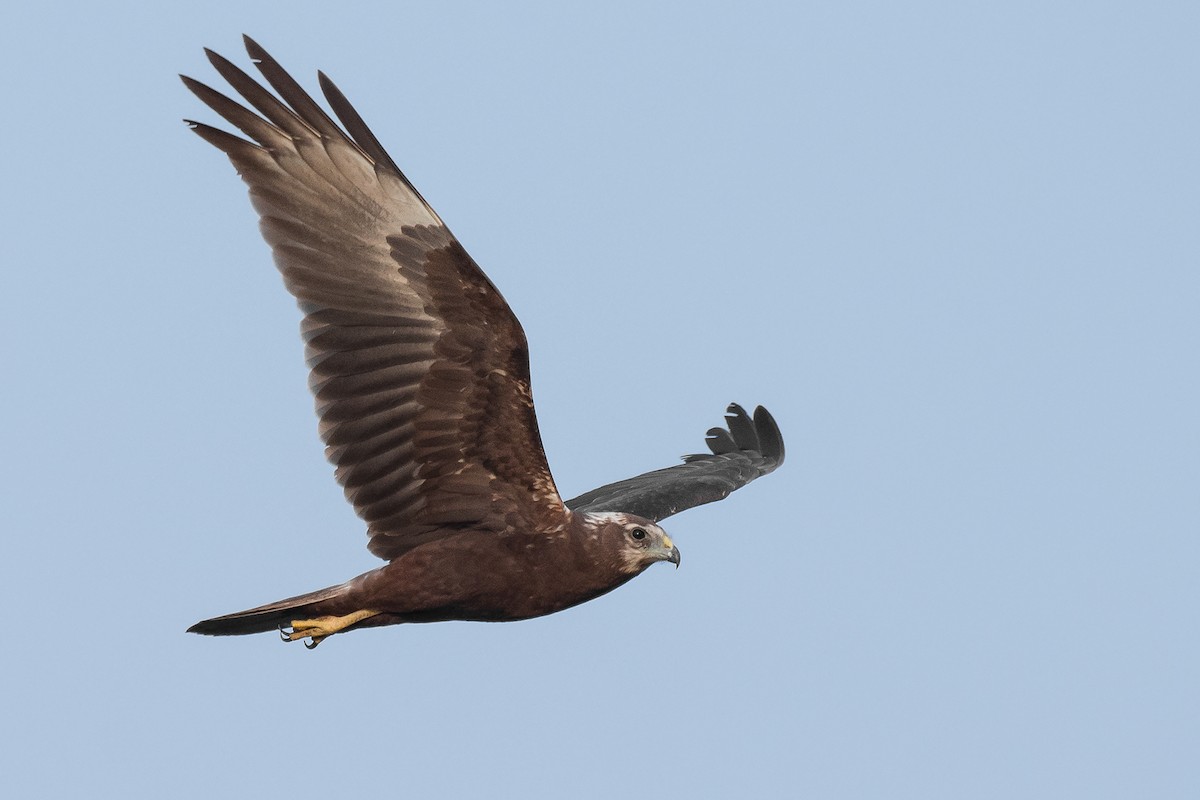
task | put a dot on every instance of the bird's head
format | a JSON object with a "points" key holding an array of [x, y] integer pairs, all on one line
{"points": [[637, 542]]}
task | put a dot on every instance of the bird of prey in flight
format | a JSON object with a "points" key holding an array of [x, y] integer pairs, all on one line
{"points": [[421, 376]]}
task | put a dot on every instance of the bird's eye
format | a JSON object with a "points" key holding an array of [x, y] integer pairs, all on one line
{"points": [[638, 533]]}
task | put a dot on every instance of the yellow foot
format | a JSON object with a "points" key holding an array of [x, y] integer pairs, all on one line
{"points": [[315, 630]]}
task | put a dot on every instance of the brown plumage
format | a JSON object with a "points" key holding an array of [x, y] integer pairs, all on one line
{"points": [[421, 377]]}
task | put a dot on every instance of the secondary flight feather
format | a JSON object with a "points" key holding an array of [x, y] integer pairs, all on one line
{"points": [[421, 375]]}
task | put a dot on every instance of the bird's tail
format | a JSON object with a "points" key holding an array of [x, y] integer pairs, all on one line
{"points": [[270, 616]]}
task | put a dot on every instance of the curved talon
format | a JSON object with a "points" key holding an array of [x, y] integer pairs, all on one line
{"points": [[320, 628]]}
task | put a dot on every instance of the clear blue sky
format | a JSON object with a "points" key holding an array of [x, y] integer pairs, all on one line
{"points": [[954, 247]]}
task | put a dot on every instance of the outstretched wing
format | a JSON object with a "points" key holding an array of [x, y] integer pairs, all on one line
{"points": [[419, 367], [749, 449]]}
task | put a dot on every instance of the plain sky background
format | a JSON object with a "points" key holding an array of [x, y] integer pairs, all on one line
{"points": [[954, 247]]}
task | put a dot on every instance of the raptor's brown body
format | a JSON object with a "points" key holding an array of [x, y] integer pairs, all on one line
{"points": [[421, 376]]}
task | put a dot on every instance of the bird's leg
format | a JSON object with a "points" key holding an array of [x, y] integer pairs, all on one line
{"points": [[315, 630]]}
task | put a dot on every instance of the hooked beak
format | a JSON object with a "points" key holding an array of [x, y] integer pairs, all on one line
{"points": [[672, 552]]}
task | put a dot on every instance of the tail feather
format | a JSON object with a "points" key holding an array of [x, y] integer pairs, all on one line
{"points": [[269, 617]]}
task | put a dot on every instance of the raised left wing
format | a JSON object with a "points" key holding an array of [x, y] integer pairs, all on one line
{"points": [[748, 449], [419, 367]]}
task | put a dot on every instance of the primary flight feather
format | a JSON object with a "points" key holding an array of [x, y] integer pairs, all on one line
{"points": [[421, 376]]}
